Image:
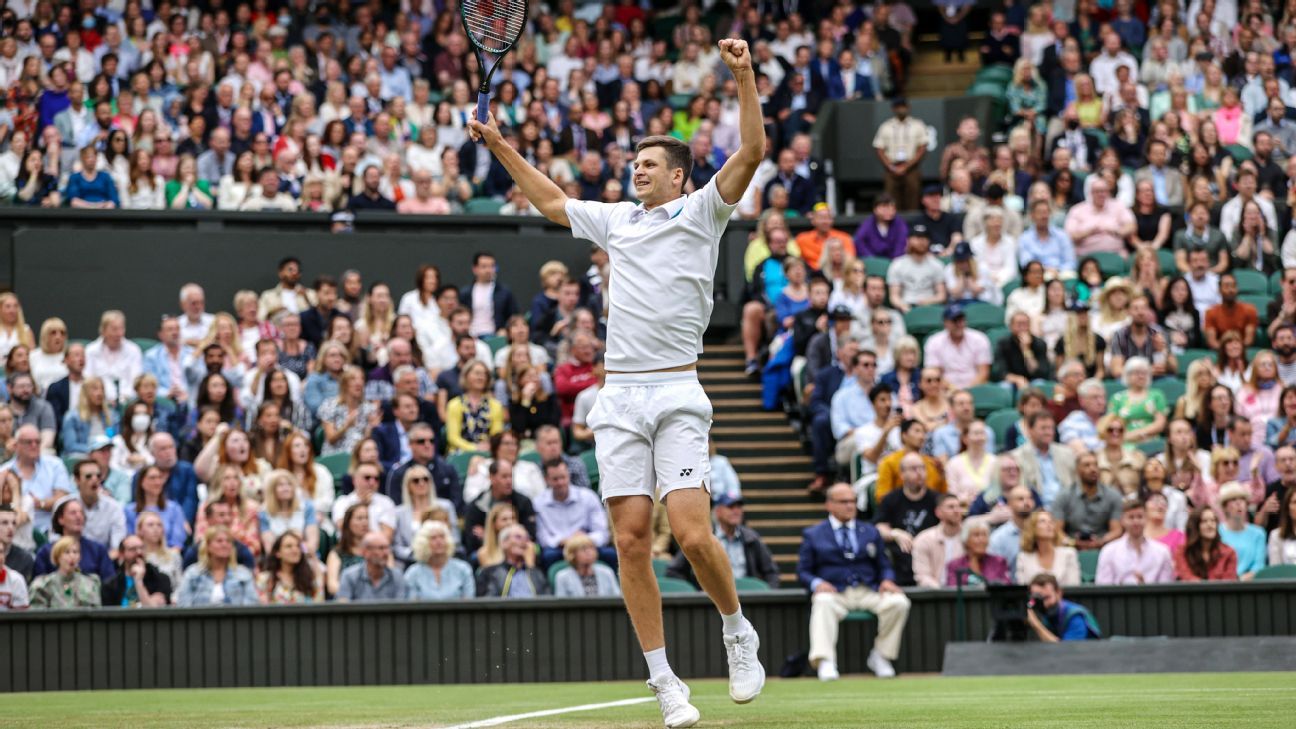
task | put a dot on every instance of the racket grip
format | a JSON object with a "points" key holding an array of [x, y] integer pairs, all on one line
{"points": [[483, 107]]}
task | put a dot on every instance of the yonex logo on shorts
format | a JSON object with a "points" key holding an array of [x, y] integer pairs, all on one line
{"points": [[686, 472]]}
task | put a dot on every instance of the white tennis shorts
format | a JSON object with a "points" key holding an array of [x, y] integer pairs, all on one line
{"points": [[651, 434]]}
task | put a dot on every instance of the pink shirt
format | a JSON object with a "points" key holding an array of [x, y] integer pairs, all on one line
{"points": [[1109, 221], [958, 361], [1120, 563], [431, 206]]}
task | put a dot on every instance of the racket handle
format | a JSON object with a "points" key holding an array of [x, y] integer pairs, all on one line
{"points": [[483, 107]]}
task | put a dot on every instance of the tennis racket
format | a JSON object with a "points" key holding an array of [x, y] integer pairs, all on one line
{"points": [[493, 27]]}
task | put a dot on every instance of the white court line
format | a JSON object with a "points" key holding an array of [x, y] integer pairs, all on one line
{"points": [[498, 720]]}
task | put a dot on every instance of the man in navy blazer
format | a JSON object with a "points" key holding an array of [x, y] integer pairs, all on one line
{"points": [[503, 305], [826, 383], [843, 563], [393, 437]]}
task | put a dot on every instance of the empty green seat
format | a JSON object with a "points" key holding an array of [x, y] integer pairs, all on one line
{"points": [[336, 464], [923, 320], [1167, 260], [989, 398], [995, 334], [1277, 572], [671, 584], [1172, 387], [1261, 304], [1275, 283], [1152, 446], [555, 568], [751, 584], [999, 422], [1111, 264], [1088, 565], [1192, 355], [496, 343], [1250, 282], [459, 461], [876, 266], [984, 316], [483, 206], [591, 467]]}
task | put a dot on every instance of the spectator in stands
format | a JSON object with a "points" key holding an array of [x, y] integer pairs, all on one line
{"points": [[967, 281], [422, 444], [30, 409], [216, 578], [1042, 551], [289, 576], [1133, 558], [1100, 224], [372, 579], [748, 555], [813, 243], [937, 545], [1044, 243], [436, 574], [913, 437], [917, 278], [89, 187], [1141, 408], [1089, 512], [1247, 540], [65, 587], [574, 375], [905, 512], [44, 477], [946, 440], [1080, 430], [490, 302], [1200, 236], [114, 358], [1054, 619], [1204, 555], [1230, 315], [882, 234], [513, 578], [584, 576], [347, 418], [137, 582], [564, 512], [1023, 355], [69, 520], [473, 417], [285, 509], [900, 143], [976, 566], [843, 562], [501, 491], [105, 521], [1142, 337], [12, 556], [367, 478], [962, 354], [1282, 539]]}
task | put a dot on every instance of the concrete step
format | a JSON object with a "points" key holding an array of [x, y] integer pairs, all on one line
{"points": [[745, 405], [727, 432]]}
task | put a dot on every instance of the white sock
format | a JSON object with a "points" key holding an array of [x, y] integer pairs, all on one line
{"points": [[734, 624], [658, 667]]}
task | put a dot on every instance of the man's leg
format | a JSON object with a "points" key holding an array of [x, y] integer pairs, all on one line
{"points": [[689, 511], [892, 612], [821, 442], [632, 519], [826, 612]]}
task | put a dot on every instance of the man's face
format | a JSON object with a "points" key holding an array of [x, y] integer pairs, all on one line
{"points": [[1277, 110], [1157, 155], [132, 550], [964, 407], [569, 296], [913, 437], [169, 332], [1042, 433], [1021, 502], [1047, 595], [654, 179], [1263, 145], [1087, 469], [819, 293], [913, 471], [558, 478], [1140, 312], [407, 410], [8, 526], [422, 445], [1241, 434], [866, 369], [841, 502], [87, 482], [163, 448], [956, 327], [1133, 521], [1198, 261], [103, 115], [376, 550], [22, 389], [73, 520], [875, 291], [484, 269], [548, 444], [730, 516], [1285, 462], [1094, 403], [1228, 289], [950, 512], [502, 480]]}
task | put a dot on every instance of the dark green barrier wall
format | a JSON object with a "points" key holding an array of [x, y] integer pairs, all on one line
{"points": [[540, 640]]}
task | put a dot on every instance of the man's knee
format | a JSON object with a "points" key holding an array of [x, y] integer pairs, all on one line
{"points": [[694, 542], [753, 310], [895, 602], [824, 599], [632, 545]]}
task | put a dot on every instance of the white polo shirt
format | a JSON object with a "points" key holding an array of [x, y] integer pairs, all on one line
{"points": [[664, 263]]}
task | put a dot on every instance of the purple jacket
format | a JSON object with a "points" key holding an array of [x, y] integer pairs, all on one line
{"points": [[870, 242], [994, 570]]}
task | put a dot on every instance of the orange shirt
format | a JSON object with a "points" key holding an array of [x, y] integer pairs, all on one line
{"points": [[888, 475], [812, 244], [1236, 318]]}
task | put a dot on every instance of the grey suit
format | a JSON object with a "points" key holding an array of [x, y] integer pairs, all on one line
{"points": [[1064, 467], [1174, 187]]}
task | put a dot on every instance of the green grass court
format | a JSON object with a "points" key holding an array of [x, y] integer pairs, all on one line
{"points": [[1163, 701]]}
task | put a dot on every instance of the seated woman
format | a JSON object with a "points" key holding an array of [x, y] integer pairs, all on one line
{"points": [[297, 458], [1042, 550], [131, 446], [528, 480], [216, 578], [1142, 409], [150, 495], [66, 587], [348, 418], [1282, 541], [1157, 506], [231, 448], [970, 471], [46, 360], [1180, 318], [491, 553], [286, 509], [585, 575], [417, 498], [1154, 480], [228, 486], [1119, 462], [91, 417], [530, 407], [323, 383], [1259, 397], [976, 566], [1204, 556], [1231, 361], [1197, 382], [152, 532], [519, 337], [267, 430], [518, 359], [290, 576], [1280, 430], [933, 410], [351, 532], [903, 379], [473, 417], [436, 573], [1214, 415], [1081, 342], [215, 391]]}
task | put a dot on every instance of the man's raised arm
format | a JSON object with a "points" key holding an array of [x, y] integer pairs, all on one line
{"points": [[543, 192], [736, 174]]}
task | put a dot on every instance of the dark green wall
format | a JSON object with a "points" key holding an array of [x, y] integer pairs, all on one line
{"points": [[538, 640]]}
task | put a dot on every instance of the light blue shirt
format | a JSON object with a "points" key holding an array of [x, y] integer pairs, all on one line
{"points": [[1005, 541], [456, 581], [851, 408], [1078, 426], [580, 511], [1250, 545], [1055, 251], [944, 441], [1048, 486], [157, 363], [1159, 186], [48, 476], [724, 479]]}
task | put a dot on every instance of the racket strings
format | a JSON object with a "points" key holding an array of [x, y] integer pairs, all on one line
{"points": [[494, 25]]}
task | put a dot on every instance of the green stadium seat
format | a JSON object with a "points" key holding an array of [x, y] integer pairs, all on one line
{"points": [[69, 462], [1239, 153], [923, 320], [1010, 287], [1250, 282], [1172, 387], [995, 334], [671, 584], [1277, 572], [1044, 386], [1111, 263], [145, 343], [531, 456], [591, 467], [1192, 355], [997, 74], [751, 584], [1088, 565], [459, 461], [1152, 446], [1113, 387], [555, 568], [984, 316], [659, 567], [336, 464], [989, 398], [1260, 302], [483, 206], [1167, 260], [859, 616], [999, 422], [876, 266], [496, 343], [1275, 283]]}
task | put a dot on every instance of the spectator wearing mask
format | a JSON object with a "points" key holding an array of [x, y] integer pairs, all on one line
{"points": [[748, 555]]}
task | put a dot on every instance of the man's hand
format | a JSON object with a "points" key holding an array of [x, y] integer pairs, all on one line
{"points": [[889, 586], [137, 571], [488, 131], [902, 539], [735, 55], [825, 587]]}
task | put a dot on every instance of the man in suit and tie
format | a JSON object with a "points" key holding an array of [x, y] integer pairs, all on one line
{"points": [[1046, 466], [843, 563]]}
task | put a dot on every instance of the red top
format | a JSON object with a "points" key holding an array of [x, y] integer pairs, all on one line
{"points": [[1223, 568]]}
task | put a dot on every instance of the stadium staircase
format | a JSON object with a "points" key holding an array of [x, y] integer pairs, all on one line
{"points": [[766, 453], [930, 77]]}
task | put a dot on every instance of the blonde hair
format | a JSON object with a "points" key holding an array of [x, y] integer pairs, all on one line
{"points": [[1192, 393], [61, 547], [490, 552], [327, 347], [48, 326], [161, 547], [367, 316], [84, 408], [272, 504], [1029, 542], [105, 319], [204, 558], [1222, 453], [552, 267], [411, 472], [244, 297], [236, 344], [20, 323], [575, 544], [1254, 379], [421, 548]]}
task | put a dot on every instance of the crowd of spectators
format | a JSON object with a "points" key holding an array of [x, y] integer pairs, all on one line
{"points": [[1086, 330], [321, 106]]}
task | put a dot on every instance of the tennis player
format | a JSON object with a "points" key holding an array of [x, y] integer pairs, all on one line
{"points": [[652, 419]]}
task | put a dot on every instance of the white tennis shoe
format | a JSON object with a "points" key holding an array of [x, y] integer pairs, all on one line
{"points": [[746, 674], [673, 697]]}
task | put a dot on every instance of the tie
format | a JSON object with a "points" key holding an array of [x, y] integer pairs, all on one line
{"points": [[843, 539]]}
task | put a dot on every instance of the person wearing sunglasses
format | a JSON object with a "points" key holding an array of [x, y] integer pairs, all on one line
{"points": [[423, 454]]}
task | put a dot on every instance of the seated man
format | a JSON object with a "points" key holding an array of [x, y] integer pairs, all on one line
{"points": [[843, 563], [1230, 315], [1079, 430], [12, 557], [69, 521], [512, 578], [500, 491], [748, 555], [219, 513], [1088, 512], [105, 521], [372, 579], [1133, 559], [1054, 619], [393, 438], [936, 545], [904, 513], [548, 445], [1047, 468], [918, 277], [962, 354], [137, 582], [423, 452], [564, 511], [946, 440]]}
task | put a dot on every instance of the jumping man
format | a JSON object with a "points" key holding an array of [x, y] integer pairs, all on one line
{"points": [[652, 419]]}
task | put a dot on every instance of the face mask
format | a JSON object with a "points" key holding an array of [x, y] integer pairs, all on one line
{"points": [[140, 422], [88, 22]]}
